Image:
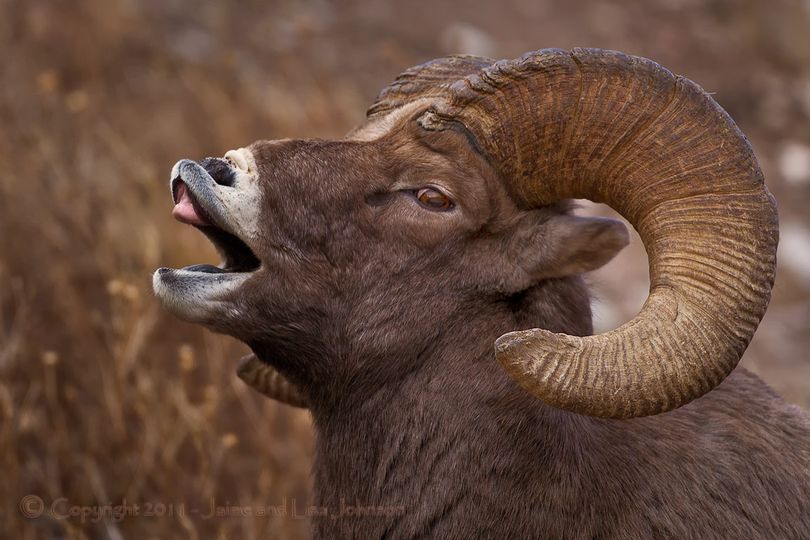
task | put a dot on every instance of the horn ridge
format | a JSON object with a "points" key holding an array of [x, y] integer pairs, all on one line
{"points": [[425, 80]]}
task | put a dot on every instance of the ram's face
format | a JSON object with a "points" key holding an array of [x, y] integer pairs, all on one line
{"points": [[371, 243], [312, 231]]}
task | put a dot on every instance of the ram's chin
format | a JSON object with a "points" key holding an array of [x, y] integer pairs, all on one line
{"points": [[198, 296]]}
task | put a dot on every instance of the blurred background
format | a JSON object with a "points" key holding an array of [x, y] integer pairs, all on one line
{"points": [[104, 398]]}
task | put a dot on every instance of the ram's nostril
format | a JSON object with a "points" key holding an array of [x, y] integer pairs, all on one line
{"points": [[220, 170]]}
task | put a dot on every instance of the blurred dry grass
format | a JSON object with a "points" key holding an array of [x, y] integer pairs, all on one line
{"points": [[105, 398]]}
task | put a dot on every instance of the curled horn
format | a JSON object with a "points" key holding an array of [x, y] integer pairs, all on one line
{"points": [[266, 380], [654, 146]]}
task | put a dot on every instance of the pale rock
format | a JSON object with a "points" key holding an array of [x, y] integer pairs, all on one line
{"points": [[794, 250], [463, 38], [794, 162]]}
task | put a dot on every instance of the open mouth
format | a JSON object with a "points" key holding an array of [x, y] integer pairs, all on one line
{"points": [[237, 257], [226, 211]]}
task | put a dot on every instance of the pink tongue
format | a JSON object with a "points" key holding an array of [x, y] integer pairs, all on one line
{"points": [[185, 210]]}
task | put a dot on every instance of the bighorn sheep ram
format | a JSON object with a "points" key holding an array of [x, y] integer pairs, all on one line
{"points": [[371, 276]]}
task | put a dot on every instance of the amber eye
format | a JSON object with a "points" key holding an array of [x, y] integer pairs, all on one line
{"points": [[433, 199]]}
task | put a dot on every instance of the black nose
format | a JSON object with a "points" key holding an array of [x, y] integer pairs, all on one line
{"points": [[220, 170]]}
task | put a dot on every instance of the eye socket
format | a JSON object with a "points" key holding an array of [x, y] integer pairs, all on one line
{"points": [[433, 199]]}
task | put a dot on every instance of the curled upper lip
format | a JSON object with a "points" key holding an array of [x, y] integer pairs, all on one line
{"points": [[202, 188]]}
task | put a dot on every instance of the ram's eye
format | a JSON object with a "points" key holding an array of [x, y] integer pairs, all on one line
{"points": [[433, 199]]}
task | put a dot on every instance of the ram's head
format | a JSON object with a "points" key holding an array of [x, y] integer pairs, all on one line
{"points": [[451, 198]]}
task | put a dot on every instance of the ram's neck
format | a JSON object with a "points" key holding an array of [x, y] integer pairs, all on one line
{"points": [[442, 442]]}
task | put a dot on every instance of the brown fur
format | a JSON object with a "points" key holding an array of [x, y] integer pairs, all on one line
{"points": [[385, 314]]}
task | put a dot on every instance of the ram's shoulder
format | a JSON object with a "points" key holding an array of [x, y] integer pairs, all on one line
{"points": [[744, 412], [744, 390]]}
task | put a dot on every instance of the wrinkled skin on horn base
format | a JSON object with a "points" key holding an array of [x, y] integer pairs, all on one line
{"points": [[380, 307]]}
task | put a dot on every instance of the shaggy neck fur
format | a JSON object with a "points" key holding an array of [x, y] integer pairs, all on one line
{"points": [[457, 439]]}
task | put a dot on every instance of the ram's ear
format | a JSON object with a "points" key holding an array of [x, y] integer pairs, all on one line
{"points": [[566, 245]]}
